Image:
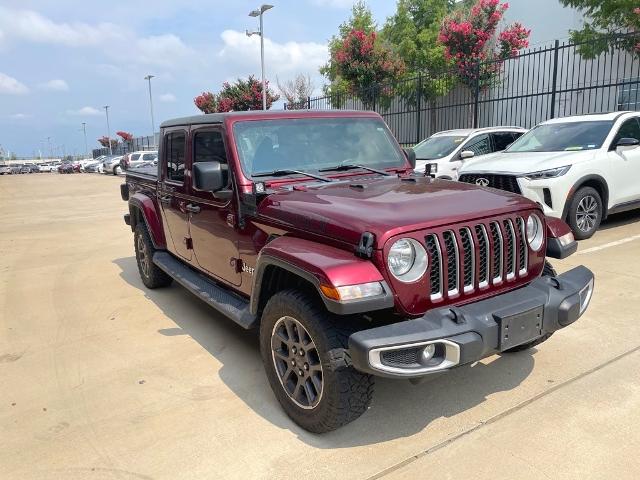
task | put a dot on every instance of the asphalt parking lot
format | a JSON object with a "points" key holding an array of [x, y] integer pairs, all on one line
{"points": [[104, 379]]}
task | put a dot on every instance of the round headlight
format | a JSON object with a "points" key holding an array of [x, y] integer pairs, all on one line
{"points": [[407, 260], [535, 232]]}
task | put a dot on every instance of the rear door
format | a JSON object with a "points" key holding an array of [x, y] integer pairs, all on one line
{"points": [[173, 191], [480, 145], [501, 140], [213, 227]]}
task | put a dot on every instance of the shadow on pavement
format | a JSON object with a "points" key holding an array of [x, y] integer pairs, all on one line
{"points": [[620, 219], [399, 408]]}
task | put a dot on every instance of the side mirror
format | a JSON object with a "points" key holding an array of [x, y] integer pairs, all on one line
{"points": [[466, 154], [627, 143], [209, 176], [410, 153]]}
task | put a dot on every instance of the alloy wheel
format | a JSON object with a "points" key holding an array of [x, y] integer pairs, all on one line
{"points": [[587, 213], [143, 256], [297, 362]]}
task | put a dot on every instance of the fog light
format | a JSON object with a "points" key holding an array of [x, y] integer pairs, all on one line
{"points": [[428, 352], [585, 296]]}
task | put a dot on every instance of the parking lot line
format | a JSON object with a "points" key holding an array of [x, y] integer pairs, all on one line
{"points": [[609, 245]]}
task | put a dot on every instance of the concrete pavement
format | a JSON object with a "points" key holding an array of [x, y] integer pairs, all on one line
{"points": [[104, 379]]}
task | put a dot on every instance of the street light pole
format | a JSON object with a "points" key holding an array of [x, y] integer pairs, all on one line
{"points": [[49, 145], [260, 13], [106, 109], [153, 126], [86, 148]]}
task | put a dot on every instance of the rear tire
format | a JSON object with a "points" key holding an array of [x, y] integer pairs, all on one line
{"points": [[585, 213], [548, 271], [151, 275], [304, 351]]}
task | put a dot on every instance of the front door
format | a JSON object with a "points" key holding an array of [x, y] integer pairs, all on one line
{"points": [[172, 192], [625, 165], [213, 228]]}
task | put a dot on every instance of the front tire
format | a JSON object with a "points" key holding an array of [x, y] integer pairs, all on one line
{"points": [[151, 275], [304, 351], [548, 271], [585, 213]]}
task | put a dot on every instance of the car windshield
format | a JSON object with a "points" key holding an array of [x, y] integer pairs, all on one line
{"points": [[559, 137], [312, 144], [438, 146]]}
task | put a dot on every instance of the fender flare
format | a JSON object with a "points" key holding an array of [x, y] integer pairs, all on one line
{"points": [[147, 208], [556, 229], [593, 177], [320, 265]]}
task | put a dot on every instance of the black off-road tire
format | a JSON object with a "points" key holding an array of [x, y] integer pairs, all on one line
{"points": [[151, 275], [346, 393], [548, 271], [583, 198]]}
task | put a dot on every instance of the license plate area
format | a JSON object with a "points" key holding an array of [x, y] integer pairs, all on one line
{"points": [[520, 328]]}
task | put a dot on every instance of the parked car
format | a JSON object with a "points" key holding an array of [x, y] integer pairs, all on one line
{"points": [[442, 154], [5, 169], [69, 167], [112, 165], [25, 169], [33, 168], [315, 231], [95, 166], [580, 169], [135, 158], [46, 168], [16, 169]]}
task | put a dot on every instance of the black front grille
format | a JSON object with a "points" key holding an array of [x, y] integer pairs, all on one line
{"points": [[467, 260], [431, 242], [452, 261], [483, 252], [400, 358], [501, 182], [497, 250]]}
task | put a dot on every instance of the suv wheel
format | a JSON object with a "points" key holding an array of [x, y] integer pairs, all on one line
{"points": [[585, 213], [151, 275], [304, 351], [548, 271]]}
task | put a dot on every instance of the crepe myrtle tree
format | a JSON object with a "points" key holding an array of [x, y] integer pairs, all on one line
{"points": [[104, 141], [367, 66], [472, 41], [241, 95]]}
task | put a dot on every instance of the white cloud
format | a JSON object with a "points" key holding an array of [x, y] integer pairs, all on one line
{"points": [[34, 27], [161, 50], [242, 55], [85, 112], [20, 116], [167, 97], [11, 86], [56, 85]]}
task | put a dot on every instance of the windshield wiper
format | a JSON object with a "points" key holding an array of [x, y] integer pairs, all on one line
{"points": [[280, 173], [338, 168]]}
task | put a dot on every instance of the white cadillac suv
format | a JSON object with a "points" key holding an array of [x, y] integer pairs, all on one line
{"points": [[442, 154], [579, 168]]}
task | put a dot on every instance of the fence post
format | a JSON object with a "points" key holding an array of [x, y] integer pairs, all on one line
{"points": [[554, 77], [476, 94], [309, 102], [419, 109]]}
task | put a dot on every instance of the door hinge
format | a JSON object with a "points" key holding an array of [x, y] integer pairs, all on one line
{"points": [[188, 243]]}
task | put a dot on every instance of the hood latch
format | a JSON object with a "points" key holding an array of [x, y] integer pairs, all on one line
{"points": [[365, 247]]}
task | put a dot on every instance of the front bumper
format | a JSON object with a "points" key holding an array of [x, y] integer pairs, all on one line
{"points": [[460, 335]]}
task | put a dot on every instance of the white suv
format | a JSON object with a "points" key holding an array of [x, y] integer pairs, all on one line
{"points": [[579, 169], [442, 154]]}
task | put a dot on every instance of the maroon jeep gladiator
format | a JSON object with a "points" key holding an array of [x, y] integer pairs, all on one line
{"points": [[312, 228]]}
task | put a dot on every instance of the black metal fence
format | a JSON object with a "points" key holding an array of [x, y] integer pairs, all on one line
{"points": [[538, 84], [148, 142]]}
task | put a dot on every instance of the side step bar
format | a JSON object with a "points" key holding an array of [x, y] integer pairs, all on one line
{"points": [[230, 305]]}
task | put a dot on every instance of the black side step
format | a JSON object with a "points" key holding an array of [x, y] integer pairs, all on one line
{"points": [[230, 305]]}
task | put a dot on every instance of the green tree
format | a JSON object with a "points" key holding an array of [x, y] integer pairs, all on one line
{"points": [[604, 19], [361, 19]]}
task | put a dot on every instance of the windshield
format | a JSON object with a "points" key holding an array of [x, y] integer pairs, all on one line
{"points": [[438, 147], [558, 137], [311, 144]]}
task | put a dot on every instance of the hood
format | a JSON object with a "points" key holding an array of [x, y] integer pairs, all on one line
{"points": [[384, 206], [524, 162]]}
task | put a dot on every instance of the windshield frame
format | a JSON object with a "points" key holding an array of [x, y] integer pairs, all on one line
{"points": [[403, 163], [551, 124]]}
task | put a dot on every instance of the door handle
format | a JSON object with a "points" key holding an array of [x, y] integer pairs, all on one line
{"points": [[192, 208], [166, 200]]}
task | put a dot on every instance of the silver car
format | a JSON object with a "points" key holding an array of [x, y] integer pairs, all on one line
{"points": [[112, 165]]}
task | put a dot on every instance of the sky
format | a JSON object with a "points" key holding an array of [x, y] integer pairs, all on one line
{"points": [[62, 61]]}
